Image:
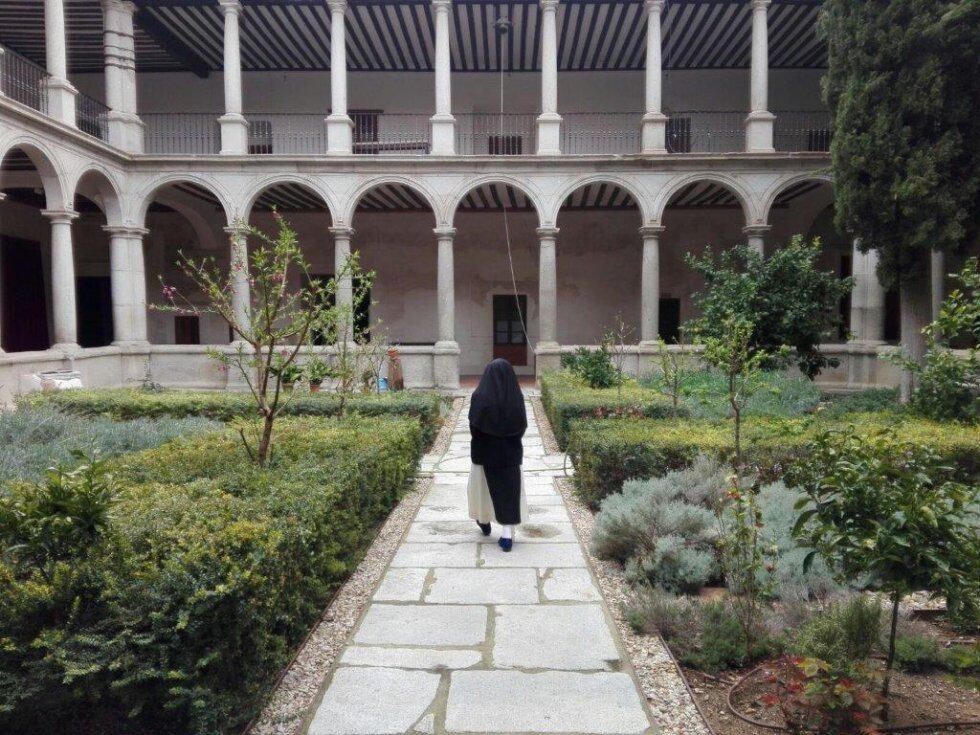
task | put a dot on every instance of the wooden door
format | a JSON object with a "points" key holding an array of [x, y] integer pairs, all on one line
{"points": [[509, 334]]}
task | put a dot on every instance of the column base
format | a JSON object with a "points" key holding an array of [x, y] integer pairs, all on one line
{"points": [[653, 131], [131, 345], [759, 132], [443, 135], [125, 131], [549, 134], [72, 348], [234, 134], [446, 365], [340, 135], [547, 358], [61, 100]]}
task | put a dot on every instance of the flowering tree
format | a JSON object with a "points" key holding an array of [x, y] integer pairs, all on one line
{"points": [[274, 325]]}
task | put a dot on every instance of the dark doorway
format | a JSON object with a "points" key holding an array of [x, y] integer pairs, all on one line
{"points": [[94, 311], [669, 326], [187, 330], [509, 335], [25, 311]]}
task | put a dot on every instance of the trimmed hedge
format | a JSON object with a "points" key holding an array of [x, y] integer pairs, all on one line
{"points": [[212, 572], [566, 398], [607, 453], [132, 403]]}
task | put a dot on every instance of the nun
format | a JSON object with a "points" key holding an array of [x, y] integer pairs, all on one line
{"points": [[497, 422]]}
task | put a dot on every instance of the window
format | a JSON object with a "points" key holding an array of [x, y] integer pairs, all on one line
{"points": [[260, 137], [678, 134], [669, 322], [187, 330], [509, 337], [505, 145]]}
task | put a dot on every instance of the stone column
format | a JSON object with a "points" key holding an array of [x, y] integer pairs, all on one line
{"points": [[63, 278], [345, 286], [937, 276], [759, 123], [650, 285], [654, 128], [128, 278], [125, 127], [443, 122], [446, 364], [234, 127], [867, 297], [755, 236], [549, 121], [2, 197], [547, 287], [241, 292], [61, 93], [340, 128]]}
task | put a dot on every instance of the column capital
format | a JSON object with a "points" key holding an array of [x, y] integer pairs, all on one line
{"points": [[549, 4], [547, 233], [3, 195], [230, 7], [441, 5], [60, 216], [340, 231], [652, 231], [125, 6], [756, 230], [337, 6], [761, 4], [124, 231], [654, 6], [446, 232]]}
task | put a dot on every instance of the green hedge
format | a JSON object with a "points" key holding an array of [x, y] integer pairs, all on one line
{"points": [[132, 403], [566, 398], [212, 573], [606, 453]]}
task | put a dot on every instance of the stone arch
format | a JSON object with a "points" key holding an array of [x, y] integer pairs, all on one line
{"points": [[744, 197], [149, 192], [47, 166], [270, 182], [642, 202], [106, 192], [771, 195], [457, 197], [416, 186]]}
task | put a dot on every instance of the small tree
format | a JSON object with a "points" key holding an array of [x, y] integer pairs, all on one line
{"points": [[671, 374], [351, 337], [274, 326], [790, 301], [884, 511], [617, 338]]}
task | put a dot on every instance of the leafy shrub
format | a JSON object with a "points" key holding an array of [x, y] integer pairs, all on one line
{"points": [[595, 367], [661, 528], [917, 653], [843, 634], [34, 438], [607, 453], [722, 643], [655, 611], [870, 400], [213, 569], [128, 403]]}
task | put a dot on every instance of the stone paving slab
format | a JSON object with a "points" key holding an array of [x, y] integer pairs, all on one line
{"points": [[484, 586], [545, 702], [432, 659], [559, 637], [573, 585], [540, 556], [468, 531], [423, 625], [435, 555]]}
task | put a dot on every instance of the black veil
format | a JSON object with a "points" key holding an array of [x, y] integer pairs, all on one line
{"points": [[497, 406]]}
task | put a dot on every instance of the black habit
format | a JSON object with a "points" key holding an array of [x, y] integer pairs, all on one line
{"points": [[498, 420]]}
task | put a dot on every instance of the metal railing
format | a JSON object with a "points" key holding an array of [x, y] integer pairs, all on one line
{"points": [[802, 131], [91, 116], [493, 134], [182, 132], [698, 131], [601, 132], [22, 80]]}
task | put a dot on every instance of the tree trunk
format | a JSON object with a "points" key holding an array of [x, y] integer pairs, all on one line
{"points": [[266, 441], [916, 306], [890, 660]]}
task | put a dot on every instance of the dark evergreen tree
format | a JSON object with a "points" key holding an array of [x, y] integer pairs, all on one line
{"points": [[903, 87]]}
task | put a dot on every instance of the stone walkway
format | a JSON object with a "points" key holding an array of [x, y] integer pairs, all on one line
{"points": [[461, 637]]}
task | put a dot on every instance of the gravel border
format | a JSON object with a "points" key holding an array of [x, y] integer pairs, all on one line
{"points": [[287, 706], [544, 427], [671, 705]]}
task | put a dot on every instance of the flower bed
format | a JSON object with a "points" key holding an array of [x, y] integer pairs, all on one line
{"points": [[208, 572], [131, 403], [608, 452]]}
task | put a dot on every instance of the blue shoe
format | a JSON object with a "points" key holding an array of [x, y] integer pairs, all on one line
{"points": [[485, 527], [505, 543]]}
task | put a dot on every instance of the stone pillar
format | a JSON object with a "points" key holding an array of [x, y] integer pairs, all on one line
{"points": [[443, 122], [63, 279], [650, 285], [345, 284], [549, 121], [547, 287], [867, 297], [125, 127], [2, 197], [755, 236], [937, 275], [234, 126], [446, 349], [128, 277], [241, 292], [61, 93], [654, 128], [340, 128], [759, 123]]}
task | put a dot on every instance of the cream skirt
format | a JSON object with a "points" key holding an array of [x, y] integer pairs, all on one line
{"points": [[478, 495]]}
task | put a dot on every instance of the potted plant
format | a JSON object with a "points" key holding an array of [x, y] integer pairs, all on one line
{"points": [[317, 370], [287, 371]]}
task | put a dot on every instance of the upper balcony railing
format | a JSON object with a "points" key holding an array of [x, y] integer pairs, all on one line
{"points": [[482, 134]]}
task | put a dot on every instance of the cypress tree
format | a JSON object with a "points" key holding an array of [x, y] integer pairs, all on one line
{"points": [[903, 87]]}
